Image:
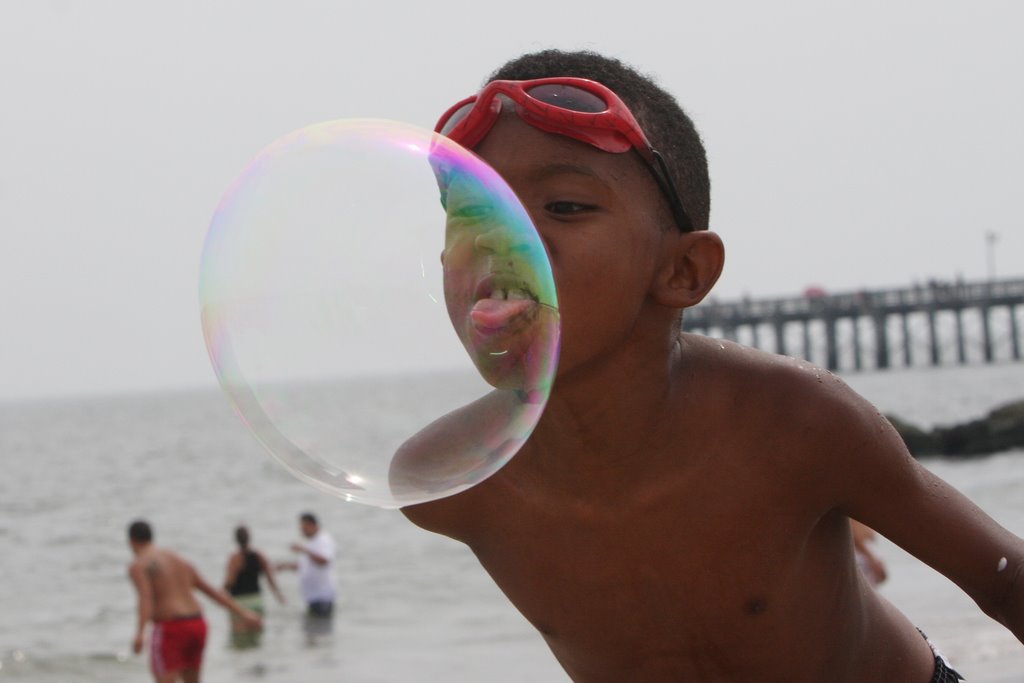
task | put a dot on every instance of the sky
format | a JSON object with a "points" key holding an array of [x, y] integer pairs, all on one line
{"points": [[851, 144]]}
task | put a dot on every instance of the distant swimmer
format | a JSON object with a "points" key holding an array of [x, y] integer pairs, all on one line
{"points": [[868, 561], [245, 566], [165, 582]]}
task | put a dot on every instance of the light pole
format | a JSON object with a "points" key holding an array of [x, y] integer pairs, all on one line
{"points": [[990, 241]]}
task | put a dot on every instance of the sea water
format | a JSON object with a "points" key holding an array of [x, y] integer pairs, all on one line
{"points": [[412, 606]]}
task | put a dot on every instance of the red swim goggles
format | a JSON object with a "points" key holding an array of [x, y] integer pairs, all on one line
{"points": [[576, 107]]}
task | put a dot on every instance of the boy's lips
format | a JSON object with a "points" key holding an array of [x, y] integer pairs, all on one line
{"points": [[500, 302]]}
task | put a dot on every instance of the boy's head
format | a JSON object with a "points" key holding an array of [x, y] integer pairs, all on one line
{"points": [[666, 126], [589, 175]]}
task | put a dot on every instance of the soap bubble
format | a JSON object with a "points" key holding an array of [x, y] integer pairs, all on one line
{"points": [[380, 310]]}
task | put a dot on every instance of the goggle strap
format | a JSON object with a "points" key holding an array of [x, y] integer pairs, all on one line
{"points": [[664, 180]]}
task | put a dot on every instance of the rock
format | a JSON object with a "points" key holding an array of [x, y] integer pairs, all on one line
{"points": [[1001, 430], [919, 442], [1006, 426]]}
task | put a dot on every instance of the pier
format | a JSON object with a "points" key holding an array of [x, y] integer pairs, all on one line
{"points": [[937, 323]]}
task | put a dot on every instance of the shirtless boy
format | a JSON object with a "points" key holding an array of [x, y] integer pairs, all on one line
{"points": [[164, 582], [681, 511]]}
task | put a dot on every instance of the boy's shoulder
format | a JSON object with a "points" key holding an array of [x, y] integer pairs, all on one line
{"points": [[765, 400], [757, 381]]}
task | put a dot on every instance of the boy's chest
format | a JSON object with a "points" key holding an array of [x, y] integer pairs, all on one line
{"points": [[684, 571]]}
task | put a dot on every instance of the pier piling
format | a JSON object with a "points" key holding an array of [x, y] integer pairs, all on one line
{"points": [[985, 324]]}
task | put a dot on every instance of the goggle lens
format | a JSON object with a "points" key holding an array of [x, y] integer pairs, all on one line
{"points": [[568, 97], [455, 117]]}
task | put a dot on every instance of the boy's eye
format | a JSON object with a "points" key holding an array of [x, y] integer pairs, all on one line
{"points": [[568, 208], [469, 210]]}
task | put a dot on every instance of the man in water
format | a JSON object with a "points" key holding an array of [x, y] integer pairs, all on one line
{"points": [[165, 582], [315, 566]]}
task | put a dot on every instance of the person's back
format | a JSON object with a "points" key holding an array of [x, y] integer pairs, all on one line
{"points": [[245, 567], [247, 577], [173, 582]]}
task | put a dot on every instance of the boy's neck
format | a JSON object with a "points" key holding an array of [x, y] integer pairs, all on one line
{"points": [[603, 418]]}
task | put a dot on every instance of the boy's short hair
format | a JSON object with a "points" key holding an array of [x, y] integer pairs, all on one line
{"points": [[140, 531], [308, 517], [666, 125]]}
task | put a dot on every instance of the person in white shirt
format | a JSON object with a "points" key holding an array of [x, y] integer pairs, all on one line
{"points": [[315, 566]]}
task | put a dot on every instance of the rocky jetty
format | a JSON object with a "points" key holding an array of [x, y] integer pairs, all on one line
{"points": [[1000, 430]]}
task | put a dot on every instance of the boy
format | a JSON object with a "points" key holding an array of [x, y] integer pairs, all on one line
{"points": [[681, 511]]}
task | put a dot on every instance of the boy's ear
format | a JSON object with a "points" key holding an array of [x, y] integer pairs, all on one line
{"points": [[692, 264]]}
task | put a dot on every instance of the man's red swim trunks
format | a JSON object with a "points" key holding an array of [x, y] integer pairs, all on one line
{"points": [[177, 644]]}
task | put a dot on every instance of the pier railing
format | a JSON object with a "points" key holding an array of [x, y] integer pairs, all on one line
{"points": [[936, 323]]}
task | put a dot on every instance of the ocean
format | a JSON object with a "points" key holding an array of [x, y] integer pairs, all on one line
{"points": [[413, 606]]}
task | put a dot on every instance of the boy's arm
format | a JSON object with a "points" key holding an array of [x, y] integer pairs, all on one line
{"points": [[144, 589], [877, 481]]}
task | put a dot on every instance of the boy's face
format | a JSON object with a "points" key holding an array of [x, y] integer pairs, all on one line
{"points": [[497, 287], [601, 218]]}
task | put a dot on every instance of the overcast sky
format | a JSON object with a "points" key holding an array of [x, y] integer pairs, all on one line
{"points": [[852, 145]]}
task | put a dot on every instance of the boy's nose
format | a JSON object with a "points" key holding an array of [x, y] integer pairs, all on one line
{"points": [[494, 238]]}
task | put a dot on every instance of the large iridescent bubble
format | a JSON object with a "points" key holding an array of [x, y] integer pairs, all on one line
{"points": [[380, 310]]}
